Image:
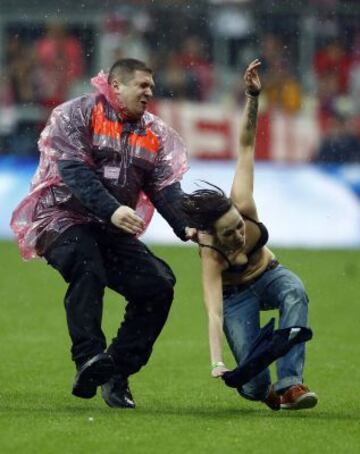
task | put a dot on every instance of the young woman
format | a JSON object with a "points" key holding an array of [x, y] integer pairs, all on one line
{"points": [[241, 276]]}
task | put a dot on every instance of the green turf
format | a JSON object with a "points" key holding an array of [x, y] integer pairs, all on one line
{"points": [[180, 409]]}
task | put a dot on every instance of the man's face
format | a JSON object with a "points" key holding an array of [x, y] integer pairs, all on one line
{"points": [[136, 93]]}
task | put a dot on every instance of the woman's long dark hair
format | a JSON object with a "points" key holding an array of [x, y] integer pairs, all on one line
{"points": [[204, 207]]}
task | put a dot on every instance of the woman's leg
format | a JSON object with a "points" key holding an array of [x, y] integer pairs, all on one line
{"points": [[241, 327], [281, 289]]}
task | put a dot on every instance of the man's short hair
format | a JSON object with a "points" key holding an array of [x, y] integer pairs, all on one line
{"points": [[124, 69]]}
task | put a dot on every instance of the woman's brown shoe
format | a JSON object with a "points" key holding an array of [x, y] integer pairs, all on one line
{"points": [[298, 397]]}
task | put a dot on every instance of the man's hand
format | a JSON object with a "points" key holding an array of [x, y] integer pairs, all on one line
{"points": [[251, 78], [191, 234], [126, 219]]}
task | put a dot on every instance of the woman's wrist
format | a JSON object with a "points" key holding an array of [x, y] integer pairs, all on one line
{"points": [[253, 94], [216, 364]]}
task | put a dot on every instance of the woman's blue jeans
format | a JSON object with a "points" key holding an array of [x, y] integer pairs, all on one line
{"points": [[280, 289]]}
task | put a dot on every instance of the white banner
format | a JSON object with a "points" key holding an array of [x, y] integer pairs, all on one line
{"points": [[301, 205]]}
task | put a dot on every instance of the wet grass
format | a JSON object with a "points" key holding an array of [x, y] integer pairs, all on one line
{"points": [[180, 409]]}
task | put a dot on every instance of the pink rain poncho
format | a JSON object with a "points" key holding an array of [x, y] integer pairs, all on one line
{"points": [[89, 129]]}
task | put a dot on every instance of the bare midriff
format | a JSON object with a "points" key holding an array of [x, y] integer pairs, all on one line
{"points": [[258, 262]]}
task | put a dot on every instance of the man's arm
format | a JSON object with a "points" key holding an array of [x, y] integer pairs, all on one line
{"points": [[162, 186], [167, 201], [85, 185]]}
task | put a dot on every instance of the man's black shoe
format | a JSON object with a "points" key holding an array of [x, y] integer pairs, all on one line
{"points": [[116, 393], [96, 371]]}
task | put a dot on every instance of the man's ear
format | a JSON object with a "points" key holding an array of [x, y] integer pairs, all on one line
{"points": [[115, 84]]}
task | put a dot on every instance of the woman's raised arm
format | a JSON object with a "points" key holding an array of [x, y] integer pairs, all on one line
{"points": [[242, 188]]}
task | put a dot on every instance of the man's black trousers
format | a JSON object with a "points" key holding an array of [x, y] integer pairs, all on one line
{"points": [[90, 258]]}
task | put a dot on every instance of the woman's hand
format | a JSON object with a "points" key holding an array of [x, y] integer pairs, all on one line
{"points": [[218, 371], [251, 78]]}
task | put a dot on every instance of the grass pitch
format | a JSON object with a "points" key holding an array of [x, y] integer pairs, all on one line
{"points": [[180, 409]]}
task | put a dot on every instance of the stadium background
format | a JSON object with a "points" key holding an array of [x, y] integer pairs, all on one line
{"points": [[307, 189]]}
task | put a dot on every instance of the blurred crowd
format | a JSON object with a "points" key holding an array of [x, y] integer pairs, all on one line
{"points": [[46, 68]]}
